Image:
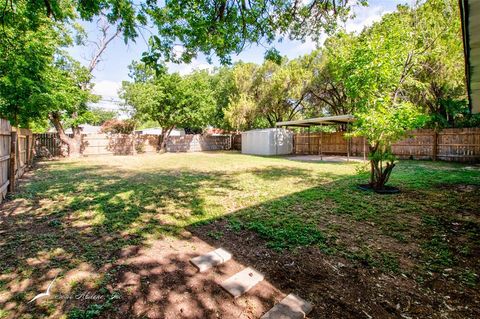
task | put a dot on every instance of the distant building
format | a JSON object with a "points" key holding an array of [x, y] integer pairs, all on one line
{"points": [[158, 131], [86, 129]]}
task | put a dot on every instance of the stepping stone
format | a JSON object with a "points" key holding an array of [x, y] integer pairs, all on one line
{"points": [[213, 258], [242, 282], [291, 307]]}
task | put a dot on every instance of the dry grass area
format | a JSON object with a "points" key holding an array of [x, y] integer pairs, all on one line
{"points": [[115, 234]]}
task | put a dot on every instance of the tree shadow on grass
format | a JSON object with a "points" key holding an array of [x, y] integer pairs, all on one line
{"points": [[74, 222], [74, 216], [345, 250], [91, 225]]}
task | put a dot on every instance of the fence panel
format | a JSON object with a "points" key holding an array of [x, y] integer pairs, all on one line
{"points": [[198, 143], [461, 145], [23, 151], [326, 143], [5, 137], [48, 144]]}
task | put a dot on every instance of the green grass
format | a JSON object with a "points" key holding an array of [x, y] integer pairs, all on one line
{"points": [[86, 210]]}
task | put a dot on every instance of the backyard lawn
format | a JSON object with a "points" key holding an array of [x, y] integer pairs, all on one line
{"points": [[117, 233]]}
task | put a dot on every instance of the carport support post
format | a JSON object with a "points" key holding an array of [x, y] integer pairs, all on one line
{"points": [[309, 149], [348, 146], [321, 144]]}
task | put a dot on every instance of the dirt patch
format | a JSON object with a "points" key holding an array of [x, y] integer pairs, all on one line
{"points": [[159, 282], [339, 287]]}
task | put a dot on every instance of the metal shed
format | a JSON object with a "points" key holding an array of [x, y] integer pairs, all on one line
{"points": [[270, 141]]}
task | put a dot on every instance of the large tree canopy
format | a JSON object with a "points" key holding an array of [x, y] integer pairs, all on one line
{"points": [[220, 27]]}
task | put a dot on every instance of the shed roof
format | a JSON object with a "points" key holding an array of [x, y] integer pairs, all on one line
{"points": [[326, 120]]}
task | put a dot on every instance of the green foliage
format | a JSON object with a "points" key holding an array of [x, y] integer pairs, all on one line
{"points": [[200, 26], [171, 100], [273, 55], [225, 28], [383, 123], [413, 55], [223, 86], [36, 75], [101, 116], [269, 93], [25, 66]]}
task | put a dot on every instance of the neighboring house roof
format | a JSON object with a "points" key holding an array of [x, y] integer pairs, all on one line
{"points": [[470, 16], [86, 129], [158, 131]]}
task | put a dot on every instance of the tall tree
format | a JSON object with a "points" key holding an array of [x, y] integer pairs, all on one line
{"points": [[75, 114], [439, 76], [269, 93], [171, 100], [222, 27], [327, 91], [27, 52]]}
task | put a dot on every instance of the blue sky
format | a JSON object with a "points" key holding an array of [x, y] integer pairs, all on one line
{"points": [[112, 70]]}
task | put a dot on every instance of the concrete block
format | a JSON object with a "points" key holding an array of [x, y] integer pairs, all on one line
{"points": [[213, 258], [291, 307], [242, 282]]}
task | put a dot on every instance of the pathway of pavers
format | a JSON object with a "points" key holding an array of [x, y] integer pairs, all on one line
{"points": [[291, 307]]}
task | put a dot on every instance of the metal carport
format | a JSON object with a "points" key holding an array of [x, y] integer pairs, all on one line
{"points": [[326, 120]]}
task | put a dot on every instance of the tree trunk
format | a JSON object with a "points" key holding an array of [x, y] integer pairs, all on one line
{"points": [[379, 175], [74, 143], [162, 143]]}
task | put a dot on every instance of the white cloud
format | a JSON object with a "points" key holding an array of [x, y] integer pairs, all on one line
{"points": [[184, 68], [178, 50], [108, 92], [364, 17], [107, 89]]}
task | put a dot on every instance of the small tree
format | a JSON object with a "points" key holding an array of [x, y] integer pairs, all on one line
{"points": [[382, 125], [377, 66]]}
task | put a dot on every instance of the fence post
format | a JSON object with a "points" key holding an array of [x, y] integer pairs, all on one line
{"points": [[435, 145], [27, 151], [13, 160], [32, 149], [134, 138]]}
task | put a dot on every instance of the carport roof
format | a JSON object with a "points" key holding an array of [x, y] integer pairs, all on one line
{"points": [[327, 120]]}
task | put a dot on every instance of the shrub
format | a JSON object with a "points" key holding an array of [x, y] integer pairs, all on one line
{"points": [[117, 126]]}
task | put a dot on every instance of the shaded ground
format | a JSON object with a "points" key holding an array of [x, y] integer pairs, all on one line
{"points": [[325, 158], [117, 234]]}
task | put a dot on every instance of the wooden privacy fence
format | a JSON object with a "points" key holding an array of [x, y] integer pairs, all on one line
{"points": [[16, 154], [459, 145], [198, 143], [49, 144]]}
